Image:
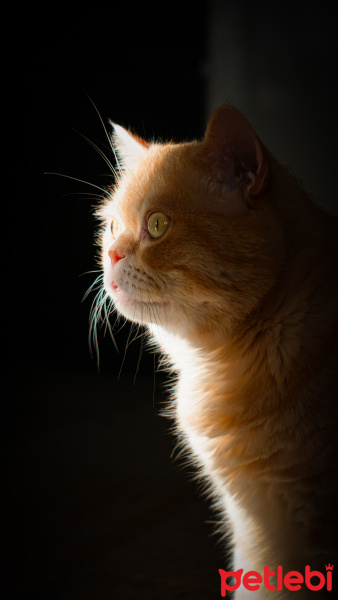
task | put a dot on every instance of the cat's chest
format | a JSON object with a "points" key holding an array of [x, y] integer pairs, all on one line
{"points": [[193, 403]]}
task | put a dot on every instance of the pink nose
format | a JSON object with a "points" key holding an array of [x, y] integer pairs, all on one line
{"points": [[115, 255]]}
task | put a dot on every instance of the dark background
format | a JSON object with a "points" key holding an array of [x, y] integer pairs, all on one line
{"points": [[96, 506]]}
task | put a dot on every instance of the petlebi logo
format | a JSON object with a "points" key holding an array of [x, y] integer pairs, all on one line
{"points": [[292, 580]]}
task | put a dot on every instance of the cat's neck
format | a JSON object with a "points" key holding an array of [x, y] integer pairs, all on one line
{"points": [[271, 357]]}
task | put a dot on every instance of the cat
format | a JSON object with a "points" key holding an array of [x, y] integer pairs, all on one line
{"points": [[216, 248]]}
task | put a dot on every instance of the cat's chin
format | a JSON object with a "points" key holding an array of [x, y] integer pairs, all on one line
{"points": [[140, 311]]}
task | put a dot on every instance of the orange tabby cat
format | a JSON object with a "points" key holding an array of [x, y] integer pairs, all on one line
{"points": [[217, 248]]}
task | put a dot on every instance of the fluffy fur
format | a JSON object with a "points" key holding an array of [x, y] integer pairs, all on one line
{"points": [[240, 293]]}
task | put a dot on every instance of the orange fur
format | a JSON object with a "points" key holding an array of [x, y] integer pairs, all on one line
{"points": [[241, 294]]}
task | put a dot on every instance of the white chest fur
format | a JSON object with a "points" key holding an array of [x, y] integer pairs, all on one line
{"points": [[189, 406]]}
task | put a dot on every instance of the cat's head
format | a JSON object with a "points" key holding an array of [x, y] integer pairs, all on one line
{"points": [[190, 240]]}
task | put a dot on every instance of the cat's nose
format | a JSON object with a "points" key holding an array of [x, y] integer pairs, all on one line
{"points": [[115, 255]]}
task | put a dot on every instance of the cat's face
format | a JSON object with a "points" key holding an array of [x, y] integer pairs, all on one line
{"points": [[181, 245]]}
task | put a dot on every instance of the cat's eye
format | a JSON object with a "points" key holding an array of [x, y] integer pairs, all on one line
{"points": [[115, 228], [157, 224]]}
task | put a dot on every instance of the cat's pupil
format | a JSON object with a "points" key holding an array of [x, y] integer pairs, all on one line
{"points": [[157, 224]]}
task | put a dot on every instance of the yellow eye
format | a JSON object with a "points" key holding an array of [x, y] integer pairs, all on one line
{"points": [[157, 224], [115, 228]]}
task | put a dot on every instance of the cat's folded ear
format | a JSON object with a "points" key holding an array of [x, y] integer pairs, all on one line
{"points": [[130, 148], [234, 154]]}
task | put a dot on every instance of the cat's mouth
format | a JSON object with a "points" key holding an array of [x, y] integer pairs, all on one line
{"points": [[124, 299]]}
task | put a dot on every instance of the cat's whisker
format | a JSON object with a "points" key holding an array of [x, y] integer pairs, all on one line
{"points": [[91, 271], [101, 309], [108, 309], [139, 359], [94, 318], [100, 152], [131, 329], [88, 196], [111, 145], [97, 283], [136, 333], [125, 321], [104, 191], [140, 335]]}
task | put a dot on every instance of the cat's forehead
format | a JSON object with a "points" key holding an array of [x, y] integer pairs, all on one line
{"points": [[162, 181], [170, 180]]}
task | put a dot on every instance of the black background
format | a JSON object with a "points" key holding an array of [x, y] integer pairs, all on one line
{"points": [[95, 505]]}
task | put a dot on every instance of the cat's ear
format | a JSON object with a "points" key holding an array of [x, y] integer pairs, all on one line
{"points": [[234, 153], [130, 148]]}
